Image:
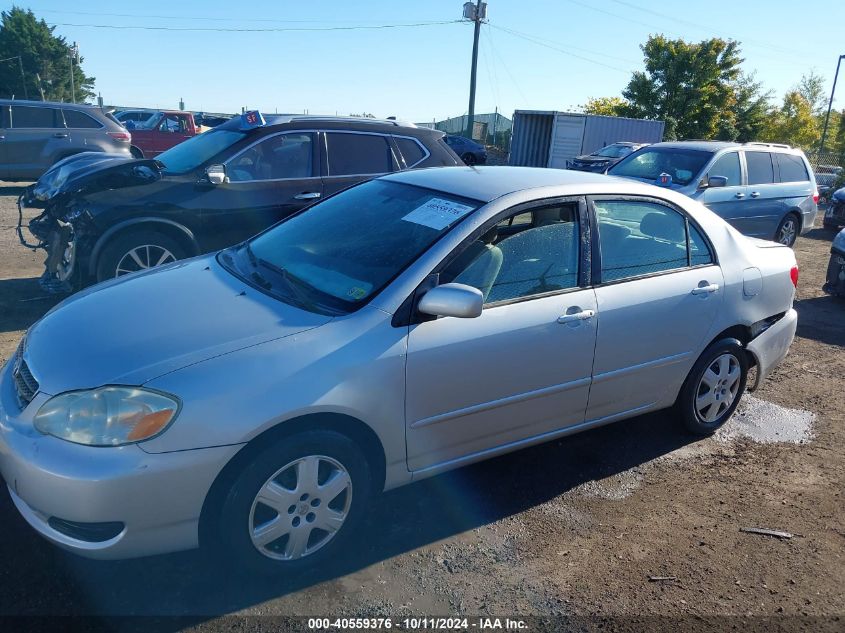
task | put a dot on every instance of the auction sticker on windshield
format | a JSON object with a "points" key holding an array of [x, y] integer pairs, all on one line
{"points": [[438, 213]]}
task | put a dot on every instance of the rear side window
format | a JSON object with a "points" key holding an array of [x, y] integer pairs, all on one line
{"points": [[353, 154], [411, 150], [760, 171], [792, 168], [77, 119], [34, 117], [728, 166]]}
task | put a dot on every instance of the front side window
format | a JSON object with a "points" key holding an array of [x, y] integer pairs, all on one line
{"points": [[173, 125], [516, 258], [727, 166], [342, 251], [759, 166], [33, 117], [354, 154], [683, 165], [642, 238], [275, 158], [80, 120], [197, 150], [792, 168]]}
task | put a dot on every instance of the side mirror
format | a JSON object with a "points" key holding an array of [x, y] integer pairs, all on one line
{"points": [[455, 300], [216, 174], [717, 181]]}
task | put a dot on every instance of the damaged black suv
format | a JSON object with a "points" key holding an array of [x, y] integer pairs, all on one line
{"points": [[105, 216]]}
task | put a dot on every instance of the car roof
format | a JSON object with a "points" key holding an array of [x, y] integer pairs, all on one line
{"points": [[707, 146], [51, 104], [488, 183]]}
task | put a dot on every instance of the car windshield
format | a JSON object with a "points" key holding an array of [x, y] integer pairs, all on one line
{"points": [[335, 256], [195, 151], [614, 151], [683, 165]]}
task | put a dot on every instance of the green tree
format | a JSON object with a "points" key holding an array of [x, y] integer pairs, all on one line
{"points": [[606, 106], [793, 123], [688, 85], [42, 53], [747, 112], [811, 87]]}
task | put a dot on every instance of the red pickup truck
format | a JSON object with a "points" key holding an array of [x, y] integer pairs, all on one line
{"points": [[162, 131]]}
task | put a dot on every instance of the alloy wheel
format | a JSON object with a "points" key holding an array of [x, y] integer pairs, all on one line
{"points": [[300, 508], [143, 257], [787, 232], [718, 387]]}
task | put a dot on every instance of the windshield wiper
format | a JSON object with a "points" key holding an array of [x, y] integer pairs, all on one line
{"points": [[256, 276], [289, 280]]}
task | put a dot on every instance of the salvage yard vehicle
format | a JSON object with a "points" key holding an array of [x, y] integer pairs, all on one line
{"points": [[835, 279], [107, 217], [764, 190], [834, 215], [34, 135], [161, 131], [322, 368], [470, 151], [603, 159]]}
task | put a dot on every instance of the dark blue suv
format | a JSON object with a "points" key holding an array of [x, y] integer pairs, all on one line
{"points": [[471, 153]]}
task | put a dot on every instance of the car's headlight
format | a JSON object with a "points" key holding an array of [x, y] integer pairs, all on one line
{"points": [[107, 416]]}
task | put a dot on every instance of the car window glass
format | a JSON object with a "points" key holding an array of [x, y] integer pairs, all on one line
{"points": [[33, 117], [792, 168], [699, 252], [540, 256], [411, 150], [759, 166], [173, 124], [352, 154], [727, 166], [639, 238], [4, 117], [275, 158], [77, 119]]}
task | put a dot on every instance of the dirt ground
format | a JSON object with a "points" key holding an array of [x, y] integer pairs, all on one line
{"points": [[570, 528]]}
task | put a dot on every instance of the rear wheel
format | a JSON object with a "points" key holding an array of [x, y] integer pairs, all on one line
{"points": [[788, 229], [136, 251], [136, 153], [469, 159], [714, 387]]}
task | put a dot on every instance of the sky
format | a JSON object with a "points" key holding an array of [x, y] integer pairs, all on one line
{"points": [[534, 54]]}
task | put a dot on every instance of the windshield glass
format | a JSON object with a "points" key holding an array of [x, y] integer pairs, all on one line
{"points": [[683, 165], [195, 151], [614, 151], [341, 252]]}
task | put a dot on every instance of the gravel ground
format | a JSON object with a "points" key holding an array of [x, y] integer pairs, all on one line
{"points": [[571, 528]]}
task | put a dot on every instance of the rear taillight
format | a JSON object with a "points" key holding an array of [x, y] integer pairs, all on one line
{"points": [[816, 197], [121, 136], [793, 275]]}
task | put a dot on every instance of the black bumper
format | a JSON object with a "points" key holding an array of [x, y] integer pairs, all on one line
{"points": [[835, 279]]}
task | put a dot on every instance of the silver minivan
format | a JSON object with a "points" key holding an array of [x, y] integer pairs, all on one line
{"points": [[36, 134], [764, 190]]}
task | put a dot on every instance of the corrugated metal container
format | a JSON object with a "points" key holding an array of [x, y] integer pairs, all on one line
{"points": [[552, 139]]}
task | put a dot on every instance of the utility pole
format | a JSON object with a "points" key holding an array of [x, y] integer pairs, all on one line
{"points": [[829, 106], [477, 13], [73, 53]]}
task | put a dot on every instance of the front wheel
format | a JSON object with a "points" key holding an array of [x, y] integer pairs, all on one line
{"points": [[136, 251], [469, 159], [714, 387], [788, 229]]}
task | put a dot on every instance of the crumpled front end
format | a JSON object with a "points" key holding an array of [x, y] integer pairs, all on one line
{"points": [[835, 279]]}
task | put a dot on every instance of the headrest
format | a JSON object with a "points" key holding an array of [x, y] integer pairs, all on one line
{"points": [[663, 227]]}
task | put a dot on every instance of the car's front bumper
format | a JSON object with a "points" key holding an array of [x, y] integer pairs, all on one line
{"points": [[834, 215], [771, 347], [157, 497]]}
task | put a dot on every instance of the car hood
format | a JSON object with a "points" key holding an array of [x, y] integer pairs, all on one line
{"points": [[589, 158], [89, 172], [839, 194], [839, 242], [139, 327]]}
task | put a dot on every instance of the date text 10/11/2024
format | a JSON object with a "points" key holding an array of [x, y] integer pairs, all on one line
{"points": [[417, 624]]}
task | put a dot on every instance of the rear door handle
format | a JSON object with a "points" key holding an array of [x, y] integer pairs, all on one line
{"points": [[307, 195], [739, 195], [755, 194], [576, 316], [703, 290], [59, 135]]}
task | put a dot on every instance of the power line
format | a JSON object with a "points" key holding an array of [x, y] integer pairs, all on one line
{"points": [[195, 17], [256, 30], [504, 65]]}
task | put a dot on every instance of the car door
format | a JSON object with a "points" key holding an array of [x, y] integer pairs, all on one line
{"points": [[171, 130], [37, 137], [659, 290], [731, 201], [350, 157], [765, 207], [520, 370], [265, 182]]}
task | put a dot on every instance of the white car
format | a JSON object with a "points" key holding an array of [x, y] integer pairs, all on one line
{"points": [[253, 401]]}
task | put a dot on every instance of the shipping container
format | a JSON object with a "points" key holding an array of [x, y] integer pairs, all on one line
{"points": [[553, 139]]}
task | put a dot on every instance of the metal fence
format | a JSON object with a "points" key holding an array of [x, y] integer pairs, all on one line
{"points": [[829, 169]]}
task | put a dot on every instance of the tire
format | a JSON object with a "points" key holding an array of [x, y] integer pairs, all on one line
{"points": [[788, 229], [469, 159], [136, 153], [249, 534], [720, 359], [830, 226], [149, 247]]}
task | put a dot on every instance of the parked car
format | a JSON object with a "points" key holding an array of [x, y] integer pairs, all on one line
{"points": [[254, 401], [834, 215], [162, 131], [134, 116], [471, 152], [835, 279], [105, 218], [764, 190], [36, 134], [826, 178], [601, 160]]}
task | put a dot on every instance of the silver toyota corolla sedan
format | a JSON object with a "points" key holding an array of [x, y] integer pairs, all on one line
{"points": [[255, 400]]}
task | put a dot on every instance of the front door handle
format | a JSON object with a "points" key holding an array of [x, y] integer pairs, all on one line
{"points": [[755, 194], [60, 135], [704, 290], [739, 195], [576, 316], [307, 195]]}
